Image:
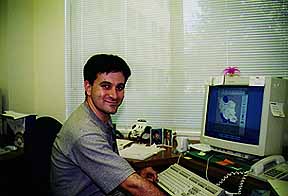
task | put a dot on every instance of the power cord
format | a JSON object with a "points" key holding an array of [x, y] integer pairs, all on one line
{"points": [[178, 160], [207, 166]]}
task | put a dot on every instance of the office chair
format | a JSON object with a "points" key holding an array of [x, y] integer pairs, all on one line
{"points": [[37, 150]]}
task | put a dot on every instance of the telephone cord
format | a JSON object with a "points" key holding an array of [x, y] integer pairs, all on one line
{"points": [[245, 174]]}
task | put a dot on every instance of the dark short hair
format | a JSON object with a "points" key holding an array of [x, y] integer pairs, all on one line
{"points": [[104, 63]]}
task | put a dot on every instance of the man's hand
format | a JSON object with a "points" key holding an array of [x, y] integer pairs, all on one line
{"points": [[142, 186], [149, 173]]}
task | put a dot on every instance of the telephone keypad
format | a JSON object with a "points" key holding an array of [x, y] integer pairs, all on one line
{"points": [[278, 172], [273, 172], [283, 174]]}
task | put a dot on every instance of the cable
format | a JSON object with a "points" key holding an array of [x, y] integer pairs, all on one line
{"points": [[179, 158], [207, 165]]}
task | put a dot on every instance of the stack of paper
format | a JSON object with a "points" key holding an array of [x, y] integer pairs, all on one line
{"points": [[139, 151], [15, 115], [122, 143]]}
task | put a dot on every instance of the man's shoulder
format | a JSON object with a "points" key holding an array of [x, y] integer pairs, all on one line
{"points": [[79, 119], [81, 122], [79, 113]]}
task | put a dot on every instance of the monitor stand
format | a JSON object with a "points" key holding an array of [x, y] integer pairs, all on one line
{"points": [[233, 153]]}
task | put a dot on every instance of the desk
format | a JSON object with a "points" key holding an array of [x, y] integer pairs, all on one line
{"points": [[216, 173], [159, 162], [164, 159]]}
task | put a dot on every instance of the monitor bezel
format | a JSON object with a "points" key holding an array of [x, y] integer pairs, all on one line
{"points": [[260, 149]]}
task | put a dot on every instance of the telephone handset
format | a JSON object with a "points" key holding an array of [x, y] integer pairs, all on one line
{"points": [[271, 167], [262, 165]]}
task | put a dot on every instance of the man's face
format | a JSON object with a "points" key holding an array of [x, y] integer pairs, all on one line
{"points": [[157, 136], [168, 135], [107, 92]]}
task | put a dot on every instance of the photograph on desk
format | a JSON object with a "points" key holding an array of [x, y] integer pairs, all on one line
{"points": [[161, 136], [156, 136], [167, 140]]}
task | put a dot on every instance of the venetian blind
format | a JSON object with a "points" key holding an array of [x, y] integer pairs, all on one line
{"points": [[173, 47]]}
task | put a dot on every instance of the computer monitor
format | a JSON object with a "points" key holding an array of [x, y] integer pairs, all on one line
{"points": [[243, 116]]}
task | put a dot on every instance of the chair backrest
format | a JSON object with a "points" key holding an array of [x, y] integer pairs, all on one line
{"points": [[37, 149]]}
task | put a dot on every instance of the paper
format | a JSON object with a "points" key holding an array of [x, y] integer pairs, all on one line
{"points": [[15, 115], [139, 151], [122, 143], [218, 80], [16, 121], [280, 186], [256, 81], [277, 109]]}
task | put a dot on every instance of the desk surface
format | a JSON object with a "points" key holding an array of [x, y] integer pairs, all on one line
{"points": [[159, 162], [215, 172]]}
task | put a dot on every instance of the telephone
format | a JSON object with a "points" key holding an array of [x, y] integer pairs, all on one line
{"points": [[271, 167]]}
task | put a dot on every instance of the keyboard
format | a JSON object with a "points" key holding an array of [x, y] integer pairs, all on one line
{"points": [[179, 181]]}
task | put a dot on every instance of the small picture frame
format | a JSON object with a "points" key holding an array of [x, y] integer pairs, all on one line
{"points": [[156, 136], [167, 137]]}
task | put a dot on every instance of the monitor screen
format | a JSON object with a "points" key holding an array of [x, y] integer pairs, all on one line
{"points": [[234, 113]]}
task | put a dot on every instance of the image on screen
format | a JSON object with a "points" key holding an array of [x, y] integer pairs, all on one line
{"points": [[234, 113]]}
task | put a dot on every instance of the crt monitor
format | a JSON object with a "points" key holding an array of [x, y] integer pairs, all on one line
{"points": [[238, 117]]}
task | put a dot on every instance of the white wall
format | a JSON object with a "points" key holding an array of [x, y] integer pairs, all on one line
{"points": [[32, 64], [49, 57]]}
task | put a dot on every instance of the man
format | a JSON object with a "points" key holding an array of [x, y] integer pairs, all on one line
{"points": [[85, 159]]}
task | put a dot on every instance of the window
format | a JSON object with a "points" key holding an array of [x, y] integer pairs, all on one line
{"points": [[173, 47]]}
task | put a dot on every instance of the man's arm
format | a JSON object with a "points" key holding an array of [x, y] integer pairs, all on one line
{"points": [[137, 185]]}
